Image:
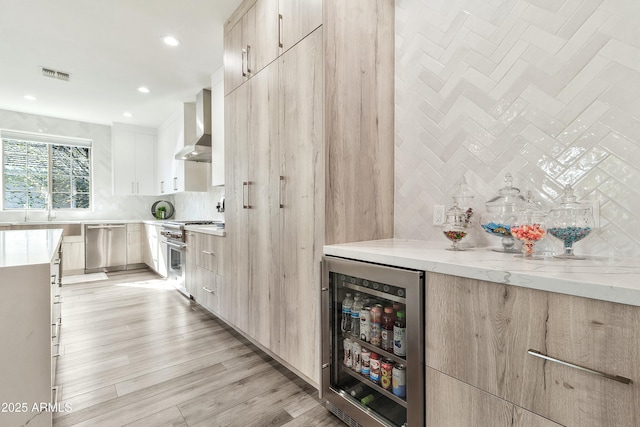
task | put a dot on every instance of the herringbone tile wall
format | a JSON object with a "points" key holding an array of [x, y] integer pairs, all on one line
{"points": [[548, 90]]}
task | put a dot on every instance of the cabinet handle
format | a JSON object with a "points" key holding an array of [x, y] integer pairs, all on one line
{"points": [[280, 192], [582, 368], [175, 183], [162, 186], [244, 52], [244, 203], [249, 195], [133, 187], [138, 187], [248, 59], [60, 300], [280, 31], [209, 253], [54, 389], [57, 330], [208, 290]]}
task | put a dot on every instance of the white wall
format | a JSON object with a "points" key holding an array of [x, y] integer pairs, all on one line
{"points": [[105, 205], [546, 90]]}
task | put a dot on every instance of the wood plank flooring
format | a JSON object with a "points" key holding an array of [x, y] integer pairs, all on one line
{"points": [[135, 352]]}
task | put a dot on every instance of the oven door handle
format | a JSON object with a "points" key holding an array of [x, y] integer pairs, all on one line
{"points": [[176, 245]]}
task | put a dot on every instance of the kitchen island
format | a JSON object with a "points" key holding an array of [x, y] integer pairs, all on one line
{"points": [[516, 341], [30, 322]]}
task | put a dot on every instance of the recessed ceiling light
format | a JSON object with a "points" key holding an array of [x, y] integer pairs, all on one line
{"points": [[127, 114], [30, 98], [143, 89], [170, 41]]}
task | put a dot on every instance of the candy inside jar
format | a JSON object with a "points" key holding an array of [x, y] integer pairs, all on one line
{"points": [[501, 214], [570, 222], [456, 226], [529, 227]]}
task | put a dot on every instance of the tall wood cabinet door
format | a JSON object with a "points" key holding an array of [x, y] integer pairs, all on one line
{"points": [[263, 41], [302, 215], [298, 19], [263, 199], [236, 214], [234, 66]]}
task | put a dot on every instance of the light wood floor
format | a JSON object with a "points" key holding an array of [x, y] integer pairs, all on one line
{"points": [[136, 353]]}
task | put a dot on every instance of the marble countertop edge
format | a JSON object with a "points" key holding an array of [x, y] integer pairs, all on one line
{"points": [[615, 280]]}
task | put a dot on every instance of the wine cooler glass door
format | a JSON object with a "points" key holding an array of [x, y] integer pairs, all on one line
{"points": [[373, 345]]}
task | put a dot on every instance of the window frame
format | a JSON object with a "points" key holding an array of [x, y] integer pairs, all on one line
{"points": [[50, 141]]}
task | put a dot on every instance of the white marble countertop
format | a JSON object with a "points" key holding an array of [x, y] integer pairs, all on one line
{"points": [[78, 221], [28, 247], [608, 279], [206, 229]]}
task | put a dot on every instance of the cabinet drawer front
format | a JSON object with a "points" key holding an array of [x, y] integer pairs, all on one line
{"points": [[451, 402], [480, 332], [210, 253]]}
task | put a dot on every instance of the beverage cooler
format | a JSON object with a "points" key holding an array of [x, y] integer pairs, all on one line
{"points": [[372, 343]]}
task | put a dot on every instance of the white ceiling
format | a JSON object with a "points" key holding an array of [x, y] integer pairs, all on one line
{"points": [[110, 48]]}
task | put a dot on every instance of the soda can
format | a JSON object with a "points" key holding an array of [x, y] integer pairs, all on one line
{"points": [[374, 374], [386, 368], [365, 360], [356, 356], [399, 381]]}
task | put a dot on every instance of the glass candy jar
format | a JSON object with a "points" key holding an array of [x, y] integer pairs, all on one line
{"points": [[455, 226], [529, 226], [570, 222], [502, 211], [464, 199]]}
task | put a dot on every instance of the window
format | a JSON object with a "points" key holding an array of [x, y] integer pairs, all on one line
{"points": [[39, 170]]}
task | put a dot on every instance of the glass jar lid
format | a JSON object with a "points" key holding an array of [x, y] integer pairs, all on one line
{"points": [[508, 199]]}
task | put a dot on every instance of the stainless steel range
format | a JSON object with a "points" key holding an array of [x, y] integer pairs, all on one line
{"points": [[176, 250]]}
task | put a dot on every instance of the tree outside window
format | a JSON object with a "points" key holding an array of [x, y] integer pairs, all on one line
{"points": [[36, 173]]}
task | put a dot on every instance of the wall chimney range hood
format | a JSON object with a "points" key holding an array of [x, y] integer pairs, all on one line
{"points": [[199, 149]]}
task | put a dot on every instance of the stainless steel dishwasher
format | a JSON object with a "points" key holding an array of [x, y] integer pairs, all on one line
{"points": [[105, 247]]}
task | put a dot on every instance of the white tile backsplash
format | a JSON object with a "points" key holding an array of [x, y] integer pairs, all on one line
{"points": [[544, 89]]}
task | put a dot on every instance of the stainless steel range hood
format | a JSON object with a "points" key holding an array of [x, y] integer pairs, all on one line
{"points": [[199, 150]]}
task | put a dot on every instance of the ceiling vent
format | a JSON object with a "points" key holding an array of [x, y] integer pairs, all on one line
{"points": [[55, 74]]}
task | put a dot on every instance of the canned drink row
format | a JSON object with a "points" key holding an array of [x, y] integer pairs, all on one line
{"points": [[384, 372]]}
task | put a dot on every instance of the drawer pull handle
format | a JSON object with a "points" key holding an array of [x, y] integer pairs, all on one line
{"points": [[582, 368], [208, 252]]}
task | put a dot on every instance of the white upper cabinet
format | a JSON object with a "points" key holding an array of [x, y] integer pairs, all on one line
{"points": [[176, 176], [133, 173]]}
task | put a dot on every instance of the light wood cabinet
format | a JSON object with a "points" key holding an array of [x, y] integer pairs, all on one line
{"points": [[155, 251], [309, 161], [236, 215], [297, 18], [73, 261], [191, 251], [250, 42], [451, 402], [205, 281], [481, 333], [135, 244], [133, 173]]}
